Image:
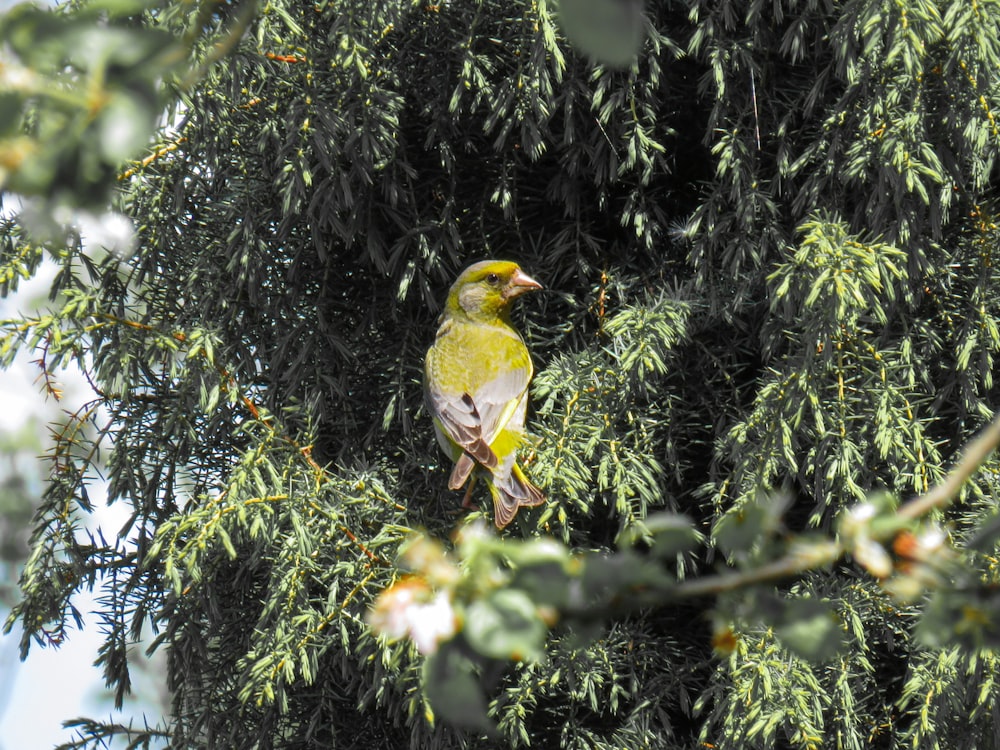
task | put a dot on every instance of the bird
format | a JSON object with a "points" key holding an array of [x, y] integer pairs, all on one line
{"points": [[476, 376]]}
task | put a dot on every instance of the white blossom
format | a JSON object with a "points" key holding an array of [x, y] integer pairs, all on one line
{"points": [[410, 610]]}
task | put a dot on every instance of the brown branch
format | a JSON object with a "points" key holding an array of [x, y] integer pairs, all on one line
{"points": [[284, 58], [176, 335], [159, 153], [368, 553]]}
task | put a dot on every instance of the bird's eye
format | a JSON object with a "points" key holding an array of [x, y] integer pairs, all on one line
{"points": [[492, 279]]}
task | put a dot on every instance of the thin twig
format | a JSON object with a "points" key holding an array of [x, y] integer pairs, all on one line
{"points": [[756, 119], [941, 494], [785, 567]]}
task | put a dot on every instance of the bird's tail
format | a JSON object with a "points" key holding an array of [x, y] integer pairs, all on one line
{"points": [[511, 493]]}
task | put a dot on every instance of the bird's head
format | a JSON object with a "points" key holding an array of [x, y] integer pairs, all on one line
{"points": [[484, 290]]}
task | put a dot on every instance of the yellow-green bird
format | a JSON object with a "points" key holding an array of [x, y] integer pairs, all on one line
{"points": [[476, 377]]}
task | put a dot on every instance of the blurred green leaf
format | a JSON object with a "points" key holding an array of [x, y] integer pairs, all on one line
{"points": [[611, 31], [967, 616], [537, 552], [740, 530], [582, 633], [545, 582], [505, 625], [668, 534], [541, 570], [89, 79], [809, 628], [607, 578], [453, 690], [125, 124], [985, 537], [10, 112], [117, 8]]}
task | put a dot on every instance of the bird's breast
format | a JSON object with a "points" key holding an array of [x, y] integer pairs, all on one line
{"points": [[465, 355]]}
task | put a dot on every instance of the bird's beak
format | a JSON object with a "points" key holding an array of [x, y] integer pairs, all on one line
{"points": [[520, 283]]}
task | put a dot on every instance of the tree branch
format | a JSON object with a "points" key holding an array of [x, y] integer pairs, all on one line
{"points": [[940, 495]]}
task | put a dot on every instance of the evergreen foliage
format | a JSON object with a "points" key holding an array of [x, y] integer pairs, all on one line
{"points": [[768, 244]]}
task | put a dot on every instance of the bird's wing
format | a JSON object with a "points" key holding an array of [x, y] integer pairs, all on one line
{"points": [[502, 401], [473, 421], [459, 417]]}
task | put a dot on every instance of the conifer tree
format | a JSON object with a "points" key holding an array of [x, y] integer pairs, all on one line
{"points": [[772, 310]]}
